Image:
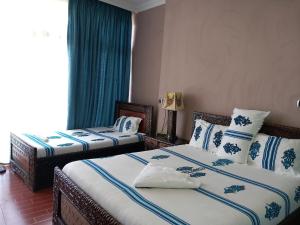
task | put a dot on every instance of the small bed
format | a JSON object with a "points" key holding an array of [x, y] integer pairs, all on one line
{"points": [[33, 157], [105, 194]]}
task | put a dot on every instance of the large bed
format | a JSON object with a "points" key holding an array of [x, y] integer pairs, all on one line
{"points": [[34, 158], [100, 191]]}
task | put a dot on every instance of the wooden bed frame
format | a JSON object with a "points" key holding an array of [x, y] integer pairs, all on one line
{"points": [[72, 206], [38, 173]]}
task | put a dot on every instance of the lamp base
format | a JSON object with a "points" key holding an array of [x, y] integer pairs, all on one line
{"points": [[171, 129]]}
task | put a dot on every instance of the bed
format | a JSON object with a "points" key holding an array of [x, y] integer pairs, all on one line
{"points": [[105, 194], [35, 165]]}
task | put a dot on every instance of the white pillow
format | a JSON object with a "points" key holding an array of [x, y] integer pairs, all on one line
{"points": [[239, 135], [206, 135], [278, 154], [159, 176], [116, 126], [128, 125]]}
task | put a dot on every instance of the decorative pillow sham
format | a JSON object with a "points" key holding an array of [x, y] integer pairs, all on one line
{"points": [[207, 136], [278, 154], [238, 137], [127, 124]]}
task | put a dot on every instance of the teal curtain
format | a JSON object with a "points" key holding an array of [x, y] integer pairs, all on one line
{"points": [[99, 47]]}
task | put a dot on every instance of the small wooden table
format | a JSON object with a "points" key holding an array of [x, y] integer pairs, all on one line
{"points": [[160, 140]]}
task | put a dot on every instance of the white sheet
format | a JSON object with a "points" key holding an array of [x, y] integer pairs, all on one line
{"points": [[218, 202]]}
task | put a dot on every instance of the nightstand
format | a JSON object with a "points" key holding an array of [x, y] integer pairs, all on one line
{"points": [[160, 141]]}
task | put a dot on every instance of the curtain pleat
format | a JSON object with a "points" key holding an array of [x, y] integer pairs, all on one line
{"points": [[99, 47]]}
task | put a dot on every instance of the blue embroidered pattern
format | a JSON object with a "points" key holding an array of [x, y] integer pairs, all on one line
{"points": [[222, 162], [234, 189], [231, 148], [185, 169], [98, 139], [193, 172], [272, 210], [197, 132], [65, 145], [158, 157], [197, 174], [288, 157], [254, 150], [80, 134], [128, 125], [54, 137], [217, 138], [242, 121], [122, 136], [297, 194], [105, 131]]}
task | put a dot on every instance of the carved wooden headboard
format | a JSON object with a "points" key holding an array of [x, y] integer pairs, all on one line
{"points": [[145, 112], [270, 129]]}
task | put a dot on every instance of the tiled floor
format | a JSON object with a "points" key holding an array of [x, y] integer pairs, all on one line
{"points": [[20, 206]]}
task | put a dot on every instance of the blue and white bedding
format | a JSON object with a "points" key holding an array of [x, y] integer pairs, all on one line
{"points": [[231, 193], [69, 141]]}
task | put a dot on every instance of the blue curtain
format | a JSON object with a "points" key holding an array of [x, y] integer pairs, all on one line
{"points": [[99, 46]]}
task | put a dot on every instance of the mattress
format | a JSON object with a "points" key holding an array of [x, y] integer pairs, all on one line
{"points": [[231, 193], [70, 141]]}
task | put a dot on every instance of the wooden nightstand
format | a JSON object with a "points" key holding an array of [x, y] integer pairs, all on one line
{"points": [[160, 141]]}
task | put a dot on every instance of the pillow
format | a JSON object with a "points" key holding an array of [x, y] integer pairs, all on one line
{"points": [[159, 176], [237, 139], [116, 126], [127, 124], [207, 136], [278, 154]]}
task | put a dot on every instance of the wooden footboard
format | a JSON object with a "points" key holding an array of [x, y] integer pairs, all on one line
{"points": [[37, 173], [23, 161], [72, 206]]}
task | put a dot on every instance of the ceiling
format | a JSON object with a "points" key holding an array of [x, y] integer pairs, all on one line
{"points": [[135, 5]]}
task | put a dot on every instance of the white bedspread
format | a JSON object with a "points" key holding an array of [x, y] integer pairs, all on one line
{"points": [[230, 193], [63, 142]]}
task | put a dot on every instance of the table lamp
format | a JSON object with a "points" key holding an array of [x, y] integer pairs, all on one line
{"points": [[173, 102]]}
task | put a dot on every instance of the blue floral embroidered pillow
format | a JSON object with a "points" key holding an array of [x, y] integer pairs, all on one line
{"points": [[207, 136], [278, 154], [128, 125], [238, 137]]}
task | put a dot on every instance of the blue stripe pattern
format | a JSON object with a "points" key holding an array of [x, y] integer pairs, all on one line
{"points": [[85, 145], [122, 124], [270, 152], [140, 137], [265, 186], [48, 148], [115, 140], [248, 212], [207, 136], [135, 196], [239, 135], [145, 162]]}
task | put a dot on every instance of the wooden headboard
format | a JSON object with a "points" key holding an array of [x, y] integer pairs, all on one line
{"points": [[270, 129], [144, 112]]}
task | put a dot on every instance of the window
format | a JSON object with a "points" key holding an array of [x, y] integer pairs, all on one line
{"points": [[33, 68]]}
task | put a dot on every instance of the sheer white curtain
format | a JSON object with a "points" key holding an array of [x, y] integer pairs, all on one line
{"points": [[33, 67]]}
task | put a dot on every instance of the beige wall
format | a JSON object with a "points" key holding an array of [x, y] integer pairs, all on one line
{"points": [[146, 59], [233, 53]]}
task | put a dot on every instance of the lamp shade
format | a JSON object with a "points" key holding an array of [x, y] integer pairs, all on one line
{"points": [[173, 101]]}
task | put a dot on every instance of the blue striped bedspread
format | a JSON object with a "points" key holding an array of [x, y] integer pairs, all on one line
{"points": [[231, 193], [69, 141]]}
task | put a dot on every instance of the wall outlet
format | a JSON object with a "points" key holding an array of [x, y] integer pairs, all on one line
{"points": [[298, 103], [161, 100]]}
